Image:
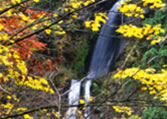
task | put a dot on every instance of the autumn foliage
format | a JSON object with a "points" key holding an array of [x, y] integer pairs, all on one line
{"points": [[21, 25], [22, 69]]}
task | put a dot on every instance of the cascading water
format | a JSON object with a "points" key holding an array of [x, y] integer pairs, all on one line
{"points": [[107, 50], [73, 98], [87, 96]]}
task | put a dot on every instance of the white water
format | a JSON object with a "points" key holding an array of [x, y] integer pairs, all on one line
{"points": [[107, 50], [73, 99], [87, 97]]}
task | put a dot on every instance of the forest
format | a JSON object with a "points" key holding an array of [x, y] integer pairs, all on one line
{"points": [[83, 59]]}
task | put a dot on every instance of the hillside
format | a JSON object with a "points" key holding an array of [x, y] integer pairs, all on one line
{"points": [[120, 48]]}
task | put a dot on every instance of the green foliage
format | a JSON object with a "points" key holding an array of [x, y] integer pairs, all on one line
{"points": [[155, 57], [158, 17], [82, 52], [154, 113], [147, 55], [134, 117], [96, 88], [49, 4]]}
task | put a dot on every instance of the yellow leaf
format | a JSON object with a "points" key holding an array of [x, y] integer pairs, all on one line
{"points": [[27, 116], [36, 1], [9, 97], [22, 109], [82, 101], [55, 15], [79, 112], [153, 42], [83, 108], [48, 31], [91, 99], [1, 27], [87, 24], [164, 65]]}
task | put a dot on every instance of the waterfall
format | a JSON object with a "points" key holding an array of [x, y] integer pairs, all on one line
{"points": [[106, 51], [73, 98], [87, 96], [107, 48]]}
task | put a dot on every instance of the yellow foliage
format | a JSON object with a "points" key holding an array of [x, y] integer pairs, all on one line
{"points": [[154, 3], [8, 107], [4, 36], [36, 0], [91, 99], [156, 83], [59, 30], [55, 15], [17, 71], [87, 24], [35, 83], [15, 1], [21, 109], [82, 101], [9, 97], [1, 27], [135, 10], [140, 32], [48, 31], [27, 116], [96, 23], [24, 17], [132, 10], [75, 4], [56, 114], [122, 109], [79, 112]]}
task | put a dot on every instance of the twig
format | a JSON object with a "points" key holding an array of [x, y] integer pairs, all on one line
{"points": [[59, 96], [114, 102], [11, 7], [47, 27]]}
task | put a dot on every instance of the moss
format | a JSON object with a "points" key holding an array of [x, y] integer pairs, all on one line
{"points": [[79, 64]]}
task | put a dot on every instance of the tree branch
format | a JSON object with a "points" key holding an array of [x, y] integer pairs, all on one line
{"points": [[141, 103], [47, 27], [11, 7]]}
